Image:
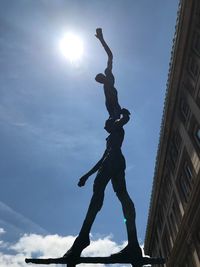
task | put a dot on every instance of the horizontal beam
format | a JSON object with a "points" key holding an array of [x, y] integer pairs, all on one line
{"points": [[105, 260]]}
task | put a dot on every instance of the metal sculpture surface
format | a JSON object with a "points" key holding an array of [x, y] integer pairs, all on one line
{"points": [[111, 167]]}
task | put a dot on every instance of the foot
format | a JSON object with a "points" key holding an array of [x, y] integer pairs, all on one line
{"points": [[79, 245], [130, 252]]}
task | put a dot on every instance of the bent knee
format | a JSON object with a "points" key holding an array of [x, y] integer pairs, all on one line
{"points": [[123, 195]]}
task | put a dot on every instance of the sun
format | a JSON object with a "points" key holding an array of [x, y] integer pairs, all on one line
{"points": [[71, 46]]}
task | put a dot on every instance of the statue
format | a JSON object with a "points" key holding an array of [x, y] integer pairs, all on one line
{"points": [[111, 167]]}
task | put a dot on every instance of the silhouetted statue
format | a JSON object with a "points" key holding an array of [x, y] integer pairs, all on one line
{"points": [[110, 167], [108, 81]]}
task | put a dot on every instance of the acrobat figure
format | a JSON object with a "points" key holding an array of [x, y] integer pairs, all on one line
{"points": [[110, 167], [108, 81]]}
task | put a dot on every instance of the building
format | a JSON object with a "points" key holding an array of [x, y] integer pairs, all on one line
{"points": [[173, 227]]}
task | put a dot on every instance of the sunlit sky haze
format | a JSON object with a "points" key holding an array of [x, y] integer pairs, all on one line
{"points": [[71, 46], [52, 111]]}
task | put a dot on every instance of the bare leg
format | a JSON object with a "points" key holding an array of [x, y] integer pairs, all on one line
{"points": [[95, 206], [82, 241], [128, 208], [129, 214]]}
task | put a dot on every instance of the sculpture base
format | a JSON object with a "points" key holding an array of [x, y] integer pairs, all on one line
{"points": [[103, 260]]}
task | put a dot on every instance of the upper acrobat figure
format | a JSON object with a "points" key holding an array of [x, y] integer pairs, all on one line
{"points": [[108, 81]]}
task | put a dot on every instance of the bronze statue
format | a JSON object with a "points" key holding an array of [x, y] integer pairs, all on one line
{"points": [[110, 167]]}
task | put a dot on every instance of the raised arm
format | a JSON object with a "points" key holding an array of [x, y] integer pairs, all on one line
{"points": [[96, 167], [99, 35]]}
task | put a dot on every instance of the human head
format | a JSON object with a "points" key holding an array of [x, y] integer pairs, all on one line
{"points": [[100, 78], [109, 125]]}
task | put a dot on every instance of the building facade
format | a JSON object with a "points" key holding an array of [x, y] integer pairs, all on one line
{"points": [[173, 227]]}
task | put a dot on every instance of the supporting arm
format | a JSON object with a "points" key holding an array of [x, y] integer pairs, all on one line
{"points": [[124, 119]]}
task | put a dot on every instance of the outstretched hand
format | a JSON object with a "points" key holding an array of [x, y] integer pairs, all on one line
{"points": [[99, 33], [82, 180]]}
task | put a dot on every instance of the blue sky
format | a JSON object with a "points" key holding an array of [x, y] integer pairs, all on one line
{"points": [[52, 112]]}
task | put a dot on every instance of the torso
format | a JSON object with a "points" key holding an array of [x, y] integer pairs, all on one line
{"points": [[115, 140], [114, 160]]}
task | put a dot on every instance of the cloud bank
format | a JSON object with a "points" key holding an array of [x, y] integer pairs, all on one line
{"points": [[35, 245]]}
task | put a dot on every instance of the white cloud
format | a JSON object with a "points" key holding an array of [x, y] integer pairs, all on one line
{"points": [[34, 245], [2, 231], [42, 244]]}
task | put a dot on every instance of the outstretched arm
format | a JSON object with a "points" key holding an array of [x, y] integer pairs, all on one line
{"points": [[84, 178], [99, 36]]}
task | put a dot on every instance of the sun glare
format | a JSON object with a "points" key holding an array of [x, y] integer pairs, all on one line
{"points": [[71, 47]]}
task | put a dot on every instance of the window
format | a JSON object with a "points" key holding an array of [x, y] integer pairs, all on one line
{"points": [[188, 172], [193, 67], [197, 237], [174, 150], [166, 244], [195, 253], [196, 43], [197, 135], [168, 189], [160, 253], [185, 110], [165, 195], [160, 219], [177, 140], [154, 250], [188, 262], [174, 154], [194, 132], [198, 97], [186, 178], [197, 15], [176, 211], [185, 188], [174, 221], [189, 84], [171, 227]]}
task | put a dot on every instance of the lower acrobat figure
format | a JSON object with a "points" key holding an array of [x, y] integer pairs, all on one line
{"points": [[111, 167]]}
